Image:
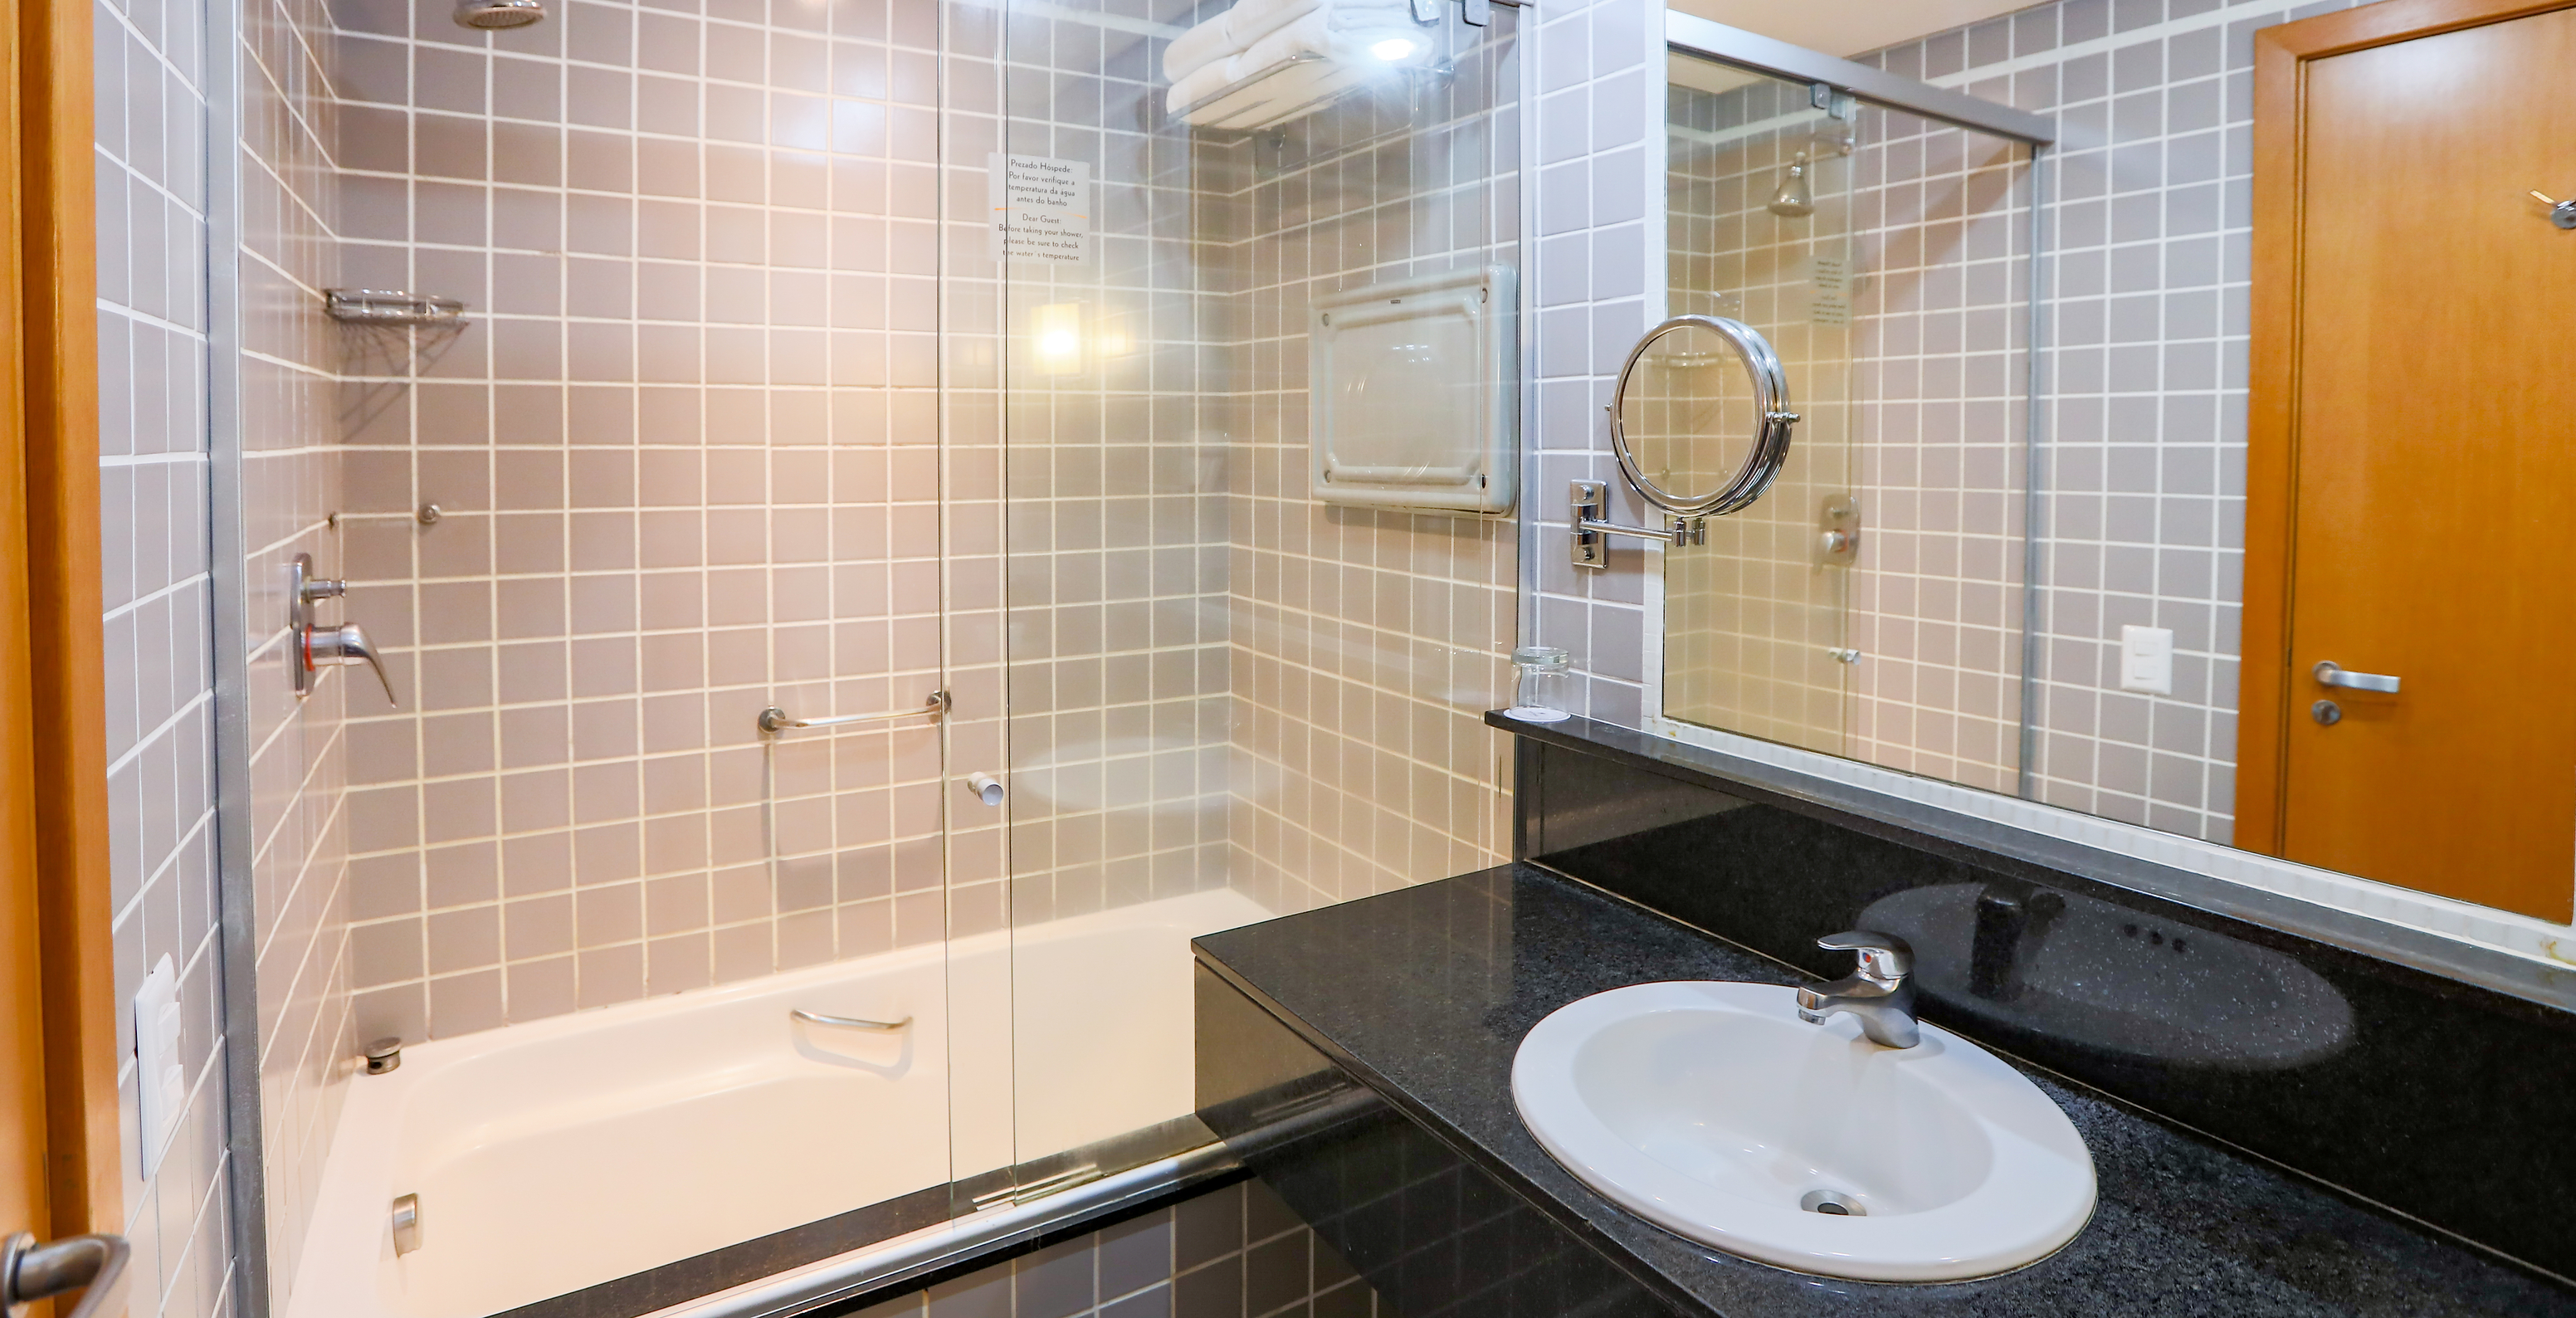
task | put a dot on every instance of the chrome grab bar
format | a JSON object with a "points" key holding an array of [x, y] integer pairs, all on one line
{"points": [[2333, 674], [774, 720], [847, 1022]]}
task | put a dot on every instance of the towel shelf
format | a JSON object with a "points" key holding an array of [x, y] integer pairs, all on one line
{"points": [[379, 306], [1271, 95]]}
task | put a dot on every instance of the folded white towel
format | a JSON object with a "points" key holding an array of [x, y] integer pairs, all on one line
{"points": [[1230, 32], [1249, 22]]}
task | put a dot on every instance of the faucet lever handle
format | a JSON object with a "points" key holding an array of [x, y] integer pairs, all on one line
{"points": [[1883, 957], [346, 644]]}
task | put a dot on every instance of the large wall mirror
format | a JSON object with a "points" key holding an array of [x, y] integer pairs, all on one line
{"points": [[2203, 464]]}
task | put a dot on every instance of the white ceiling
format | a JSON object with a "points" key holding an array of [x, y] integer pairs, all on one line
{"points": [[1847, 27]]}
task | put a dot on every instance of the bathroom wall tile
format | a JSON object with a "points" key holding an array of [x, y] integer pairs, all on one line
{"points": [[501, 717], [156, 486]]}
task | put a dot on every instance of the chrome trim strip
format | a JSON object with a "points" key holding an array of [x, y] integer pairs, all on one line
{"points": [[932, 1249], [2035, 434], [1751, 50], [245, 1158]]}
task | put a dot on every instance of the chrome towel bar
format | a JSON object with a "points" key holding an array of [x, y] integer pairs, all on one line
{"points": [[774, 720], [847, 1022]]}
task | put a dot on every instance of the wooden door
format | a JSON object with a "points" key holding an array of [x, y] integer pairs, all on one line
{"points": [[2414, 432], [59, 1150]]}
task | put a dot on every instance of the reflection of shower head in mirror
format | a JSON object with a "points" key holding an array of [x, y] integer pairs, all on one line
{"points": [[1793, 199]]}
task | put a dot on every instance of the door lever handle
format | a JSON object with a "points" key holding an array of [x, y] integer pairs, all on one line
{"points": [[92, 1265], [2332, 674], [345, 644]]}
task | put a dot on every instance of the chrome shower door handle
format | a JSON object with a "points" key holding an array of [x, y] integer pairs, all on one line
{"points": [[345, 644], [2333, 674]]}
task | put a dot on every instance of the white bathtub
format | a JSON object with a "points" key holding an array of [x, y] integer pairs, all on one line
{"points": [[564, 1153]]}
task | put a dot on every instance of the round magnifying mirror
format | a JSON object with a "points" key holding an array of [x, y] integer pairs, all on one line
{"points": [[1700, 418]]}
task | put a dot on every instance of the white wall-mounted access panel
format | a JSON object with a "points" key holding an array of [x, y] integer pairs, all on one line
{"points": [[1414, 401]]}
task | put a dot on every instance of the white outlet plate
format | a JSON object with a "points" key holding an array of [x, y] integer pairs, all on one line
{"points": [[160, 1074], [2146, 659]]}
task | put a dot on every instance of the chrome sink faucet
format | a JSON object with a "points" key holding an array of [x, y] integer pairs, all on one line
{"points": [[1877, 992]]}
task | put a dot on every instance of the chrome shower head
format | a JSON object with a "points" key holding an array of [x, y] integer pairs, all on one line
{"points": [[498, 13], [1793, 200]]}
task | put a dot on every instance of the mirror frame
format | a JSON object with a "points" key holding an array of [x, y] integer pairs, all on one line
{"points": [[1770, 439]]}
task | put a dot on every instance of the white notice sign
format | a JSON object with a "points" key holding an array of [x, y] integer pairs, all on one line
{"points": [[1041, 209], [1832, 301]]}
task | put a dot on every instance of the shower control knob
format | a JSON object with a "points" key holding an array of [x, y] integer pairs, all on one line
{"points": [[345, 644]]}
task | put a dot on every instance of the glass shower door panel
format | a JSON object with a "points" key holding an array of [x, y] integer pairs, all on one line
{"points": [[1759, 229], [1226, 701]]}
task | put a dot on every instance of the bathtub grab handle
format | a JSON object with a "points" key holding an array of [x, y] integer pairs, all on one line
{"points": [[847, 1022], [774, 720]]}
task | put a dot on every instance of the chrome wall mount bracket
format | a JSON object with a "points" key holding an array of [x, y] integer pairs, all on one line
{"points": [[1590, 502]]}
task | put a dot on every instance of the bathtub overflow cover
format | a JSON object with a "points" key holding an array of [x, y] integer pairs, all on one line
{"points": [[1832, 1203]]}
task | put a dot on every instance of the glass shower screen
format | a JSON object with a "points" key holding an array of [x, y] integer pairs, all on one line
{"points": [[1758, 228], [1225, 700]]}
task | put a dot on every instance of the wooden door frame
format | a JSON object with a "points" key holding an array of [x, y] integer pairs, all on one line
{"points": [[56, 906], [2265, 703]]}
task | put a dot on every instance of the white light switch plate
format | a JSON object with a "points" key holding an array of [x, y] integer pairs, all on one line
{"points": [[2146, 659], [160, 1076]]}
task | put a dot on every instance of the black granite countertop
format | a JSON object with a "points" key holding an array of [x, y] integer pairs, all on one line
{"points": [[1424, 994]]}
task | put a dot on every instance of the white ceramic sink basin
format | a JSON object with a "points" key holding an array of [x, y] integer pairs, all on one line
{"points": [[1713, 1111]]}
